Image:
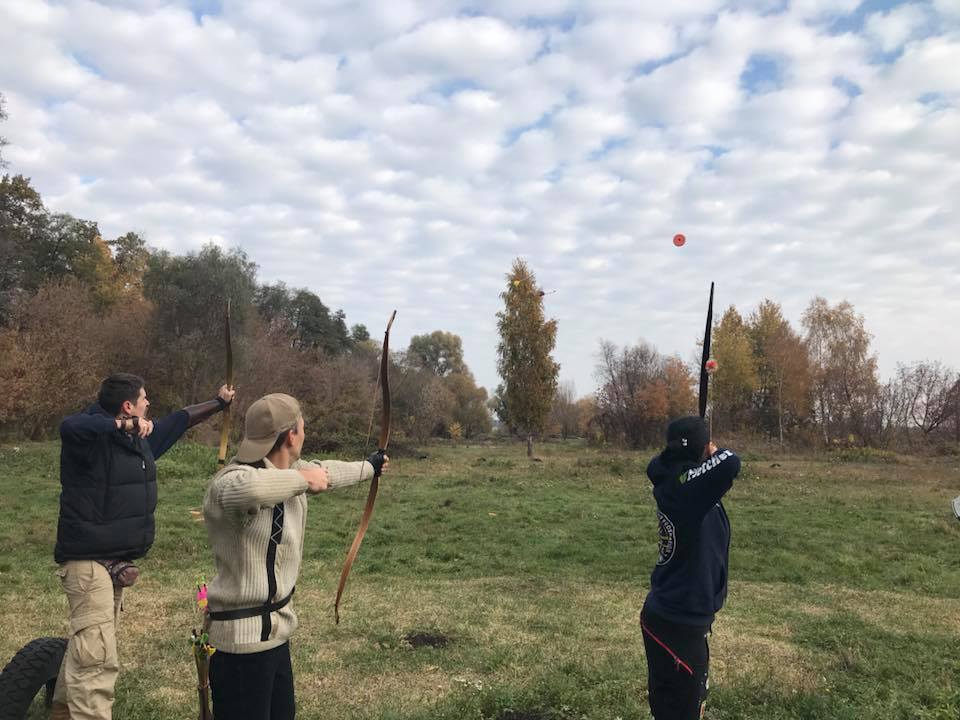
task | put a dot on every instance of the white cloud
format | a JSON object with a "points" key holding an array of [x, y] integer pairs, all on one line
{"points": [[818, 9], [949, 9], [464, 46], [891, 30]]}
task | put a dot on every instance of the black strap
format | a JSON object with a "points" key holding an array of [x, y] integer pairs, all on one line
{"points": [[244, 613], [276, 536]]}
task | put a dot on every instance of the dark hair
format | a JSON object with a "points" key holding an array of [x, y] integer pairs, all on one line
{"points": [[281, 439], [117, 389]]}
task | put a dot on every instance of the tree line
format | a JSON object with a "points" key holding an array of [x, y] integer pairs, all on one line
{"points": [[75, 307], [818, 387]]}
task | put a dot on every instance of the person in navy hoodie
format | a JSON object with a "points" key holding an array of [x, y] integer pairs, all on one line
{"points": [[689, 583], [108, 475]]}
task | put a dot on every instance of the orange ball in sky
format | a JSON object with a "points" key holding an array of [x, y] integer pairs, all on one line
{"points": [[679, 239]]}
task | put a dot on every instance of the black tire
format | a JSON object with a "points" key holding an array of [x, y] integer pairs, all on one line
{"points": [[33, 668]]}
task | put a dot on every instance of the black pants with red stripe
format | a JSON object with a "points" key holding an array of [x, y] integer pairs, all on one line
{"points": [[678, 663]]}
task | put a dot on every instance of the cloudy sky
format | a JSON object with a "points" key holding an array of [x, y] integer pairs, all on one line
{"points": [[400, 154]]}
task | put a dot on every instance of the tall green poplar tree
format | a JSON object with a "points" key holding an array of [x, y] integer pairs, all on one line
{"points": [[523, 356]]}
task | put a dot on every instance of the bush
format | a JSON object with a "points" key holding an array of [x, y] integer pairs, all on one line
{"points": [[862, 455], [64, 346]]}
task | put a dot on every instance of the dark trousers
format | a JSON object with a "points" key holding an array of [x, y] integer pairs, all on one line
{"points": [[678, 663], [258, 686]]}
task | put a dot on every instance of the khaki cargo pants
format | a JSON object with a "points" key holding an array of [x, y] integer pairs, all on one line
{"points": [[90, 666]]}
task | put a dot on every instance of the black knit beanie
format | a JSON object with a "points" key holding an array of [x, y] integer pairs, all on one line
{"points": [[687, 437]]}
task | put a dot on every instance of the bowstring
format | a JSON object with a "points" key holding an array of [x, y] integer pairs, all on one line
{"points": [[366, 444]]}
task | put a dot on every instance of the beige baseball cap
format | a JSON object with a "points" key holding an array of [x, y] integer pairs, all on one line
{"points": [[265, 420]]}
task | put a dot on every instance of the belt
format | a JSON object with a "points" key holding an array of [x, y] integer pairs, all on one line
{"points": [[244, 613]]}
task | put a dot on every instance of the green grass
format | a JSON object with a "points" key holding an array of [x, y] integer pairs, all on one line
{"points": [[844, 596]]}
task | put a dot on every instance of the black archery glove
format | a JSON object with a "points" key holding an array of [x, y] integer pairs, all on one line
{"points": [[377, 459]]}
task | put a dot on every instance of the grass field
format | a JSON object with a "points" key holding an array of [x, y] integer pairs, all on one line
{"points": [[844, 593]]}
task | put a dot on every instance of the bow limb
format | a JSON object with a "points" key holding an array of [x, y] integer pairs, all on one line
{"points": [[384, 382], [225, 427], [704, 375]]}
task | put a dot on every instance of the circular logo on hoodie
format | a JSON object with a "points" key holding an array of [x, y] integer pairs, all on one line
{"points": [[668, 539]]}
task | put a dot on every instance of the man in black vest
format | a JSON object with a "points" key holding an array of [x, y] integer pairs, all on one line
{"points": [[109, 476]]}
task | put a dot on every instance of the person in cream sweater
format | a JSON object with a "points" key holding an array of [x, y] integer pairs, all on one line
{"points": [[255, 510]]}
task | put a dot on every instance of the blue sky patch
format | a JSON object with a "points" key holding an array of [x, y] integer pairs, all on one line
{"points": [[934, 101], [650, 66], [200, 8], [87, 64], [854, 22], [774, 7], [565, 22], [850, 88], [555, 175], [716, 152], [608, 146], [513, 134], [451, 86], [762, 74]]}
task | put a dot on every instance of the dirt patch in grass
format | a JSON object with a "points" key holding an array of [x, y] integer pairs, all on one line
{"points": [[511, 714], [426, 639]]}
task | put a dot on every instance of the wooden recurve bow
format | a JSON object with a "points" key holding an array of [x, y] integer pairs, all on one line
{"points": [[384, 381], [225, 427]]}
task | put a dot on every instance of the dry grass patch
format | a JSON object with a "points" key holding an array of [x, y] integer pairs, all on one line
{"points": [[175, 696], [899, 613], [766, 661], [354, 694]]}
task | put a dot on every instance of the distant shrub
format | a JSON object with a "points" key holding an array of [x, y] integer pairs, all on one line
{"points": [[862, 455], [942, 449]]}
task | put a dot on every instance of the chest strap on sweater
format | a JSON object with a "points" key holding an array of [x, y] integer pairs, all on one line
{"points": [[244, 613]]}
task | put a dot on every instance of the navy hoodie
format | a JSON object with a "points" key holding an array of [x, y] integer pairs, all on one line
{"points": [[689, 583]]}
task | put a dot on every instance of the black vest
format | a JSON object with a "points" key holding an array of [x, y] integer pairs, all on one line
{"points": [[108, 498]]}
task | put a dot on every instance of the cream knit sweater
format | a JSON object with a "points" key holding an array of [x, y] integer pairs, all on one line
{"points": [[238, 510]]}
